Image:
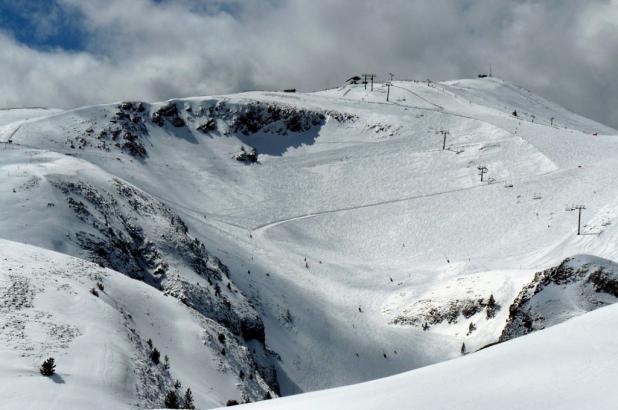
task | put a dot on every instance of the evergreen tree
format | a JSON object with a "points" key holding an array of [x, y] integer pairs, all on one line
{"points": [[188, 400], [491, 307], [166, 360], [48, 367], [491, 303], [155, 355], [463, 348], [171, 400]]}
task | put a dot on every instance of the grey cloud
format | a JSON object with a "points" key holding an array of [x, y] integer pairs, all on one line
{"points": [[564, 50]]}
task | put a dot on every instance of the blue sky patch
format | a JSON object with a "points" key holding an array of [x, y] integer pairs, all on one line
{"points": [[43, 24]]}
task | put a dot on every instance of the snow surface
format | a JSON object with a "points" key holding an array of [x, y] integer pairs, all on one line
{"points": [[569, 366], [340, 229], [50, 312]]}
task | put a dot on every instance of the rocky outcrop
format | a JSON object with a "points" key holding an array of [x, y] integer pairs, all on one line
{"points": [[125, 229], [426, 312], [577, 285]]}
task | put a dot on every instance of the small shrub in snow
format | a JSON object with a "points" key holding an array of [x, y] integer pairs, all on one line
{"points": [[463, 348], [100, 286], [48, 367], [231, 403], [94, 292], [221, 338]]}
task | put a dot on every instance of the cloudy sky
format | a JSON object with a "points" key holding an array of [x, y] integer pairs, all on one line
{"points": [[66, 53]]}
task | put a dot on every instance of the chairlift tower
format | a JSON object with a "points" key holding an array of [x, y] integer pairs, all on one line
{"points": [[578, 208], [367, 78], [482, 171], [444, 134]]}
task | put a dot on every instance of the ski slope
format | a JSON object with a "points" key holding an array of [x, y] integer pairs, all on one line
{"points": [[352, 226]]}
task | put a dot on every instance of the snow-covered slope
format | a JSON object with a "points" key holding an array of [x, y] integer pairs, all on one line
{"points": [[569, 366], [100, 342], [355, 248]]}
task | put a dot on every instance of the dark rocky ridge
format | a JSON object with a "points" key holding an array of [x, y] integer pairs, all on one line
{"points": [[556, 294], [127, 230]]}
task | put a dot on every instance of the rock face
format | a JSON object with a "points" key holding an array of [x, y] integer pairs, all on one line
{"points": [[169, 113], [250, 157], [125, 229], [426, 313], [271, 118], [577, 285]]}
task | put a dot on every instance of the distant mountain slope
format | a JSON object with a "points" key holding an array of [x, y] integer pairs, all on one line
{"points": [[12, 115]]}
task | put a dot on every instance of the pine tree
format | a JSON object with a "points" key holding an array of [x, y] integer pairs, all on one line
{"points": [[188, 400], [48, 367], [463, 348], [177, 384], [171, 400], [491, 303], [166, 359], [491, 307], [155, 355]]}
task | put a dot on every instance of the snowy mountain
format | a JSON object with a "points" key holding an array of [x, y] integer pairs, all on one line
{"points": [[276, 243]]}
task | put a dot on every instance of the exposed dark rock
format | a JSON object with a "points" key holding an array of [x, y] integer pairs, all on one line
{"points": [[250, 157], [208, 126], [426, 313], [170, 113], [576, 285]]}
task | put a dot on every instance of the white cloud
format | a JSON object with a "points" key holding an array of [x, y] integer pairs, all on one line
{"points": [[140, 49]]}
